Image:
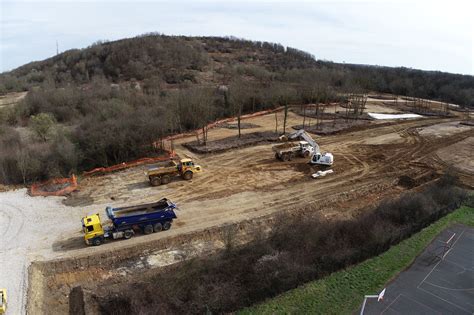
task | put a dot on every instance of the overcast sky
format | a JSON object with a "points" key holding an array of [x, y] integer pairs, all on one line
{"points": [[429, 35]]}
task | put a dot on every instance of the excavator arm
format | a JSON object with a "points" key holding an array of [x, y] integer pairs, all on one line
{"points": [[303, 134]]}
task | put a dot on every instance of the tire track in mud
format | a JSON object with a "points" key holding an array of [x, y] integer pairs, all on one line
{"points": [[15, 223], [248, 184], [13, 259]]}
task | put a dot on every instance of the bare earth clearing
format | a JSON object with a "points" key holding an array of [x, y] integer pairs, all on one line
{"points": [[11, 99], [245, 187]]}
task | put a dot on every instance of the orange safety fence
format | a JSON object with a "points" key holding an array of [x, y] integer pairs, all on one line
{"points": [[67, 185], [54, 187], [124, 165]]}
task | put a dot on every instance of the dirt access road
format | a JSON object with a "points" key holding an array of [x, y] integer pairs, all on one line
{"points": [[28, 228], [237, 185]]}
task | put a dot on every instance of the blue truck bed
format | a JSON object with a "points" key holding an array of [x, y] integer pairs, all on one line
{"points": [[141, 215]]}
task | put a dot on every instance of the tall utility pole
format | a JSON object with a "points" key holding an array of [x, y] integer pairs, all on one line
{"points": [[57, 48]]}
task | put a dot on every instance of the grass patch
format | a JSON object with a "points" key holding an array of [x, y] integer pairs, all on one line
{"points": [[342, 292]]}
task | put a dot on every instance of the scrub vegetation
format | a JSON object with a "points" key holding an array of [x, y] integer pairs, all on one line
{"points": [[301, 248], [108, 103]]}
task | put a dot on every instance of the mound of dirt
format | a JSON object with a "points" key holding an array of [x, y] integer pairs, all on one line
{"points": [[329, 128], [381, 97], [232, 142], [409, 182], [54, 186], [242, 126], [467, 123]]}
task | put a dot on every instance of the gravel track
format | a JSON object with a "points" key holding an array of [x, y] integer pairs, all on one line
{"points": [[28, 228]]}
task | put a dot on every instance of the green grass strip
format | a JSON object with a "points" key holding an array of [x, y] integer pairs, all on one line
{"points": [[343, 291]]}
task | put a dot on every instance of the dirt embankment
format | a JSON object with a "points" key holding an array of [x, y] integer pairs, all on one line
{"points": [[234, 142], [336, 126], [51, 282]]}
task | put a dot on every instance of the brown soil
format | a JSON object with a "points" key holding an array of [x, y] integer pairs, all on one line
{"points": [[243, 125], [244, 189], [467, 122], [459, 155], [331, 127], [54, 187], [233, 142]]}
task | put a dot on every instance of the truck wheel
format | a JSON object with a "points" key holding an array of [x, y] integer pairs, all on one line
{"points": [[188, 175], [148, 229], [286, 157], [127, 234], [277, 156], [306, 154], [96, 241], [155, 181], [165, 180], [158, 227], [166, 225]]}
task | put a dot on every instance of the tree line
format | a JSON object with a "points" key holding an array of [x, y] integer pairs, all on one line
{"points": [[107, 103], [54, 132], [181, 59]]}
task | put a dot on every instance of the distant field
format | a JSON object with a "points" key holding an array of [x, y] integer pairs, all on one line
{"points": [[342, 292]]}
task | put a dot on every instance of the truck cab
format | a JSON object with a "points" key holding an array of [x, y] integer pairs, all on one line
{"points": [[187, 168], [93, 230], [3, 301], [188, 165]]}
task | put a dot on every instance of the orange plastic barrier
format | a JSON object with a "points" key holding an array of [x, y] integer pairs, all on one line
{"points": [[47, 188], [124, 165], [40, 189], [36, 189]]}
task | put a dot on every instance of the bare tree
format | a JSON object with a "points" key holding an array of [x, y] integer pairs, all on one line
{"points": [[26, 163], [285, 117], [238, 94], [204, 110], [304, 115], [276, 122]]}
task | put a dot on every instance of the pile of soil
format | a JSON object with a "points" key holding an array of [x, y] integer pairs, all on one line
{"points": [[467, 123], [232, 142], [54, 186], [381, 97], [410, 182], [311, 113], [420, 111], [242, 126], [329, 128], [329, 114]]}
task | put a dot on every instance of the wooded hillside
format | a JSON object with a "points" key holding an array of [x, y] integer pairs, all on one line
{"points": [[107, 103]]}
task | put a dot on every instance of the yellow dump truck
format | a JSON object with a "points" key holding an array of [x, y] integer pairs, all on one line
{"points": [[161, 175], [3, 301]]}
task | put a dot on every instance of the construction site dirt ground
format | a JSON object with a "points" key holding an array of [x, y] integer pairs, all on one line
{"points": [[245, 186]]}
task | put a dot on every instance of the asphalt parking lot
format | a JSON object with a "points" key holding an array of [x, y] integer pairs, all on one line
{"points": [[440, 281]]}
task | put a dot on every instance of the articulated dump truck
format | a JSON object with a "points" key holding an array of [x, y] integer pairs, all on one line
{"points": [[162, 174], [147, 218]]}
